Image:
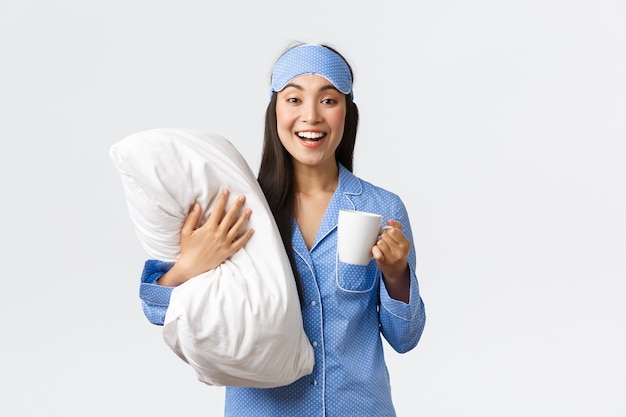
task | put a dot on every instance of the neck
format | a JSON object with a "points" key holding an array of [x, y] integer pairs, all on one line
{"points": [[314, 179]]}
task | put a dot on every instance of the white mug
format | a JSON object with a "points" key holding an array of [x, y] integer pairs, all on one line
{"points": [[357, 233]]}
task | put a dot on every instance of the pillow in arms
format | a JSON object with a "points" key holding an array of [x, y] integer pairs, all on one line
{"points": [[239, 324]]}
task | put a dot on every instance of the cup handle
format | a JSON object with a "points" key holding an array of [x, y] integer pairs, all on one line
{"points": [[384, 229]]}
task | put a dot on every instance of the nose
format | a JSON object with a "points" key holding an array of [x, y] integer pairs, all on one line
{"points": [[311, 112]]}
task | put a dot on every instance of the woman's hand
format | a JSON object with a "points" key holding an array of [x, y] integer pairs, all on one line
{"points": [[390, 253], [206, 247]]}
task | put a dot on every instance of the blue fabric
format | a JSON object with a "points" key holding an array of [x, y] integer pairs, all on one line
{"points": [[312, 59], [154, 298], [346, 310]]}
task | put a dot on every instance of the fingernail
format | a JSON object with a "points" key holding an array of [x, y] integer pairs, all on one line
{"points": [[242, 198]]}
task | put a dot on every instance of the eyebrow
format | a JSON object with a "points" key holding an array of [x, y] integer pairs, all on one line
{"points": [[299, 87]]}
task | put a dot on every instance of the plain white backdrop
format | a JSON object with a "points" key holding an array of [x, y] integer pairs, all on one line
{"points": [[501, 124]]}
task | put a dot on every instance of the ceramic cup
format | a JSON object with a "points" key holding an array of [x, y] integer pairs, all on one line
{"points": [[358, 231]]}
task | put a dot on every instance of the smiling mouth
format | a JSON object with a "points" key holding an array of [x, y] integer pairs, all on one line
{"points": [[314, 136]]}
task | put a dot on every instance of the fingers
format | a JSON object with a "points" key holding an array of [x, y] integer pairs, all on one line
{"points": [[215, 218], [206, 247], [221, 218], [192, 220], [377, 254], [241, 240], [227, 222], [235, 229], [232, 218], [393, 232], [392, 246], [394, 224]]}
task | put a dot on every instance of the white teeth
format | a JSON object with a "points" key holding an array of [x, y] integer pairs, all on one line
{"points": [[310, 135]]}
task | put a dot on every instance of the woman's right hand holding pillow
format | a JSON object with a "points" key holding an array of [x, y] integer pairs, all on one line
{"points": [[206, 247]]}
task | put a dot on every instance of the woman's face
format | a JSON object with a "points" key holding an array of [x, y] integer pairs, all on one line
{"points": [[310, 115]]}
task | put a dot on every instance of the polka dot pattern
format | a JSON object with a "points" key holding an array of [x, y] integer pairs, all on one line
{"points": [[344, 325], [154, 298], [312, 59]]}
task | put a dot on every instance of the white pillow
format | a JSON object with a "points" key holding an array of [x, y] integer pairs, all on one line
{"points": [[239, 324]]}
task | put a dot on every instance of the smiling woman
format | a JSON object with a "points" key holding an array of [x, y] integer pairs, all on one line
{"points": [[310, 114], [306, 177]]}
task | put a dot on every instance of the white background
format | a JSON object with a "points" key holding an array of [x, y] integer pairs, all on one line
{"points": [[501, 124]]}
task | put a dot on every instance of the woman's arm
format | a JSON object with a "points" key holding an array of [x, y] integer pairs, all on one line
{"points": [[202, 249], [402, 323], [402, 314]]}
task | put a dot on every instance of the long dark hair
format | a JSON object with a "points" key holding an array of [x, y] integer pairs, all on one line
{"points": [[276, 170]]}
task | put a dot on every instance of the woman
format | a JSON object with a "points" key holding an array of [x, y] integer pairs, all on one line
{"points": [[306, 175]]}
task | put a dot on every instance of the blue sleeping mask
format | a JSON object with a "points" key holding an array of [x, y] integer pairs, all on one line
{"points": [[312, 59]]}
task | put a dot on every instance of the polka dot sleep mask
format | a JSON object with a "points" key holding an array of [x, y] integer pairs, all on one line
{"points": [[312, 59]]}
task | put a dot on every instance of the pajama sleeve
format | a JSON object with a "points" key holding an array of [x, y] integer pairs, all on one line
{"points": [[155, 298], [402, 324]]}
